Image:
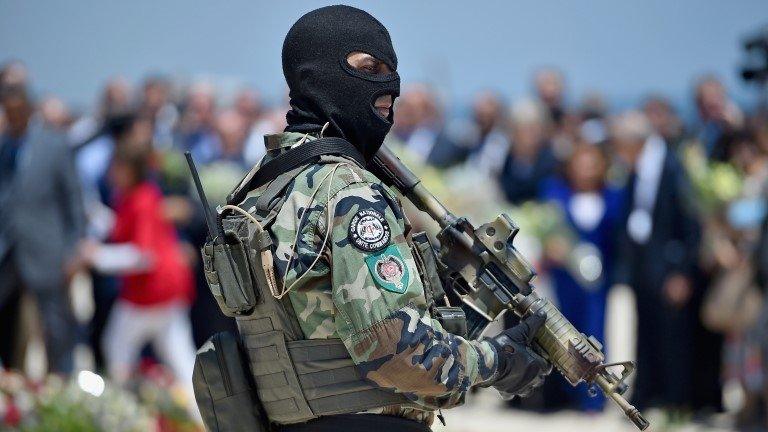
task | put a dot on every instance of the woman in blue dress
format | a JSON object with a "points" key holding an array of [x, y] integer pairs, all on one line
{"points": [[580, 266]]}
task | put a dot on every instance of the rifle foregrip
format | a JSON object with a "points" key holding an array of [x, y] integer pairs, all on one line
{"points": [[573, 353], [578, 357]]}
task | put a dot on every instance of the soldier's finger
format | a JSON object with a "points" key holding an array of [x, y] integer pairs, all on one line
{"points": [[532, 325]]}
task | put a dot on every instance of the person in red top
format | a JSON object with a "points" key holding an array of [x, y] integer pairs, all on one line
{"points": [[156, 279], [140, 222]]}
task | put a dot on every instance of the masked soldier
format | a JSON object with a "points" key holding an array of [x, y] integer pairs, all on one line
{"points": [[347, 338]]}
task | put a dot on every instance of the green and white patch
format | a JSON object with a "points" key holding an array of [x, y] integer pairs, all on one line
{"points": [[389, 270]]}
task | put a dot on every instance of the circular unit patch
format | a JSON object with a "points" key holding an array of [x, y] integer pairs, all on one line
{"points": [[369, 231]]}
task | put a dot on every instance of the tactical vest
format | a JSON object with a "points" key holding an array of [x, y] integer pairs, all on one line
{"points": [[296, 379]]}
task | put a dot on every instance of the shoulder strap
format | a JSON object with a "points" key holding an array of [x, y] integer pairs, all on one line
{"points": [[294, 158], [265, 202]]}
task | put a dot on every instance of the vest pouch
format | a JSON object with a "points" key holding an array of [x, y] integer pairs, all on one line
{"points": [[276, 380], [453, 319], [427, 263], [223, 389], [229, 276]]}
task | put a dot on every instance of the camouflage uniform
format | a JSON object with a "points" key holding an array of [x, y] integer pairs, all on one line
{"points": [[373, 300]]}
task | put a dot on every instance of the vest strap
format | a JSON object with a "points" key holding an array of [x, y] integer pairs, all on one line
{"points": [[293, 158]]}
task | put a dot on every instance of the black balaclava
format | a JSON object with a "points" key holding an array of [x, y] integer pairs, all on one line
{"points": [[324, 88]]}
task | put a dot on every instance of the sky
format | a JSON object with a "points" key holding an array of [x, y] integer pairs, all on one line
{"points": [[623, 49]]}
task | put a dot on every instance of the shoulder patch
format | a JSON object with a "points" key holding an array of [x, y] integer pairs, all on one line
{"points": [[369, 231], [389, 270]]}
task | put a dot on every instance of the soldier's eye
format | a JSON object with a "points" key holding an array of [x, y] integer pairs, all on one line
{"points": [[367, 63], [371, 67]]}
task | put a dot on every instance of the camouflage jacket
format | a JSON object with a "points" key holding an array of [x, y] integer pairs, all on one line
{"points": [[361, 285]]}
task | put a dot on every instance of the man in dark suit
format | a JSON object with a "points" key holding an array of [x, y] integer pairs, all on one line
{"points": [[658, 259], [42, 221], [530, 159]]}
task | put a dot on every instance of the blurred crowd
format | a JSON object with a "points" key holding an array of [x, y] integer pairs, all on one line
{"points": [[675, 210]]}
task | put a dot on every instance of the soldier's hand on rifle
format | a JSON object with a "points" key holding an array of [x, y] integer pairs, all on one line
{"points": [[521, 370]]}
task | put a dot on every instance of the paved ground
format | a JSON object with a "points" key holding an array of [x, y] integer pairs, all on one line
{"points": [[484, 413]]}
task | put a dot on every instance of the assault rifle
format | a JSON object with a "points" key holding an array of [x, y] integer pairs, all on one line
{"points": [[491, 276]]}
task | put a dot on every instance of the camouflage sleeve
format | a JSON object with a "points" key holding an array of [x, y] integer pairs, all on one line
{"points": [[382, 314]]}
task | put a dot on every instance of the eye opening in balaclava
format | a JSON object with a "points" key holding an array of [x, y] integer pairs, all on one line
{"points": [[324, 87], [374, 77]]}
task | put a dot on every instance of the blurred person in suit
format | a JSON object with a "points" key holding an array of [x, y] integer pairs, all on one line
{"points": [[658, 257], [156, 105], [488, 134], [549, 87], [707, 345], [530, 159], [43, 220], [232, 131], [664, 119], [197, 127], [718, 117], [249, 106]]}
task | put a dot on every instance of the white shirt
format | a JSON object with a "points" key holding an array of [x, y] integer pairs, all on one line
{"points": [[649, 168], [587, 209]]}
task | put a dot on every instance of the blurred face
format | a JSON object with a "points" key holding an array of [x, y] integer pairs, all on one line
{"points": [[141, 132], [17, 113], [549, 86], [369, 64], [711, 100], [155, 96], [659, 115], [117, 96], [627, 150], [586, 169], [55, 113], [247, 104], [232, 130], [201, 108], [743, 154], [416, 107], [527, 138], [15, 74], [487, 112], [121, 176], [406, 115]]}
